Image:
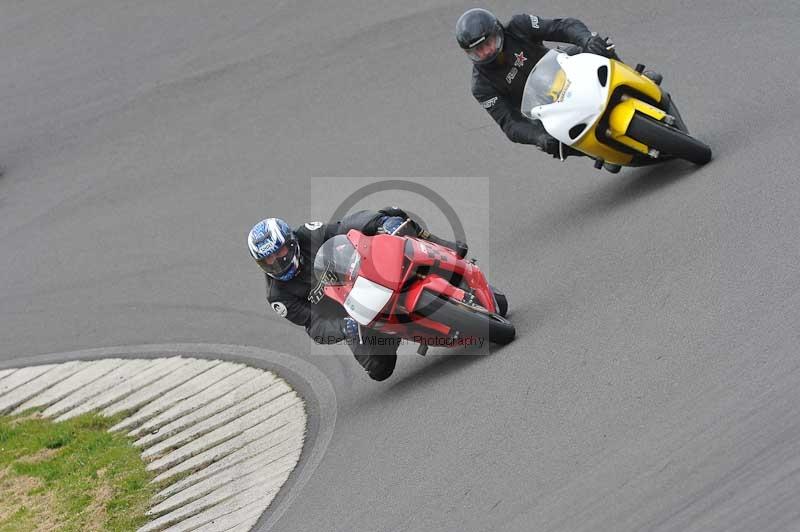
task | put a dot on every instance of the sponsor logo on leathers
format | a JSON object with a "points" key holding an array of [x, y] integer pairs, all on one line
{"points": [[280, 308], [511, 75], [489, 103]]}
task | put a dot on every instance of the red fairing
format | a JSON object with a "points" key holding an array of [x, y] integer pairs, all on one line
{"points": [[434, 284], [477, 281], [338, 292], [381, 258]]}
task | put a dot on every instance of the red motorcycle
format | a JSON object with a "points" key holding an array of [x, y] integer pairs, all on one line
{"points": [[418, 290]]}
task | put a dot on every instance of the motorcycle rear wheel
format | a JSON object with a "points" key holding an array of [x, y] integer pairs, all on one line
{"points": [[466, 319], [668, 140]]}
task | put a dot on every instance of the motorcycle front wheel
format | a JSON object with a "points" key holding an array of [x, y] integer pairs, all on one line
{"points": [[468, 320], [668, 140]]}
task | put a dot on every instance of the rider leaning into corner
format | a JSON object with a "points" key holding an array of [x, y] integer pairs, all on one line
{"points": [[503, 57], [287, 255]]}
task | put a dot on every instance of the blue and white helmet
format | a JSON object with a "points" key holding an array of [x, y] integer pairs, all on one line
{"points": [[274, 247]]}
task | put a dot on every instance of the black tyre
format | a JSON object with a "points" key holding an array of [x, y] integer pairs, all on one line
{"points": [[502, 301], [668, 140], [466, 319]]}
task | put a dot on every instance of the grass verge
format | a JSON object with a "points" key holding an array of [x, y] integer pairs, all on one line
{"points": [[70, 476]]}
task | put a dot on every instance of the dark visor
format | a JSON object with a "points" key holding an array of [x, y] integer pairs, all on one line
{"points": [[279, 262]]}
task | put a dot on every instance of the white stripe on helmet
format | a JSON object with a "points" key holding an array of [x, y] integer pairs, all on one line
{"points": [[476, 43]]}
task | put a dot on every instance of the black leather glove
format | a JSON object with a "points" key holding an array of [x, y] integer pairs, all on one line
{"points": [[390, 224], [394, 211], [552, 147], [600, 46], [350, 328], [398, 212]]}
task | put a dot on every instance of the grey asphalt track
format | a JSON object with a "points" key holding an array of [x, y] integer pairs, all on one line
{"points": [[655, 381]]}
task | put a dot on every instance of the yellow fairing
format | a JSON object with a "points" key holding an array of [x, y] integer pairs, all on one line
{"points": [[622, 74]]}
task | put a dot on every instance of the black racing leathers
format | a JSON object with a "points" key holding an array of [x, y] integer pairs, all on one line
{"points": [[498, 86], [290, 299]]}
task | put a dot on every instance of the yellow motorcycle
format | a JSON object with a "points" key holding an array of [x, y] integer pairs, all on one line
{"points": [[609, 111]]}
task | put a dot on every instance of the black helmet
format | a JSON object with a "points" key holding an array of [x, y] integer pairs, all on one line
{"points": [[480, 34]]}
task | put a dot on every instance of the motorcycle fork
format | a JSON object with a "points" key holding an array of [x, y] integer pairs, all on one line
{"points": [[621, 116], [672, 110]]}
